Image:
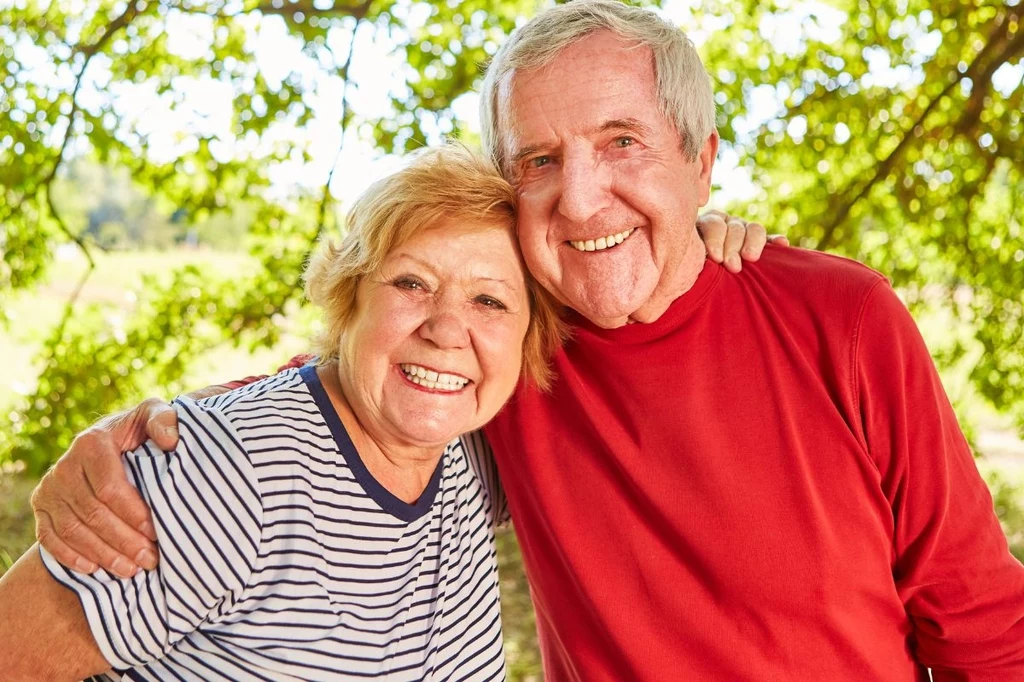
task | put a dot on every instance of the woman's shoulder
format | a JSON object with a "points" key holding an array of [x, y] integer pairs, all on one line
{"points": [[276, 389]]}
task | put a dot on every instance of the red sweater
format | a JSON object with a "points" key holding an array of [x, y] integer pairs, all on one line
{"points": [[768, 483]]}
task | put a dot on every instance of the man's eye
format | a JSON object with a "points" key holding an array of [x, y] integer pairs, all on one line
{"points": [[540, 161], [491, 302], [624, 142]]}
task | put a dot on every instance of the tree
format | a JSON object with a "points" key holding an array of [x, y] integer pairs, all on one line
{"points": [[888, 131], [53, 54], [885, 131]]}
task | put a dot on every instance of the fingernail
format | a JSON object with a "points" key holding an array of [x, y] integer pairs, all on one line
{"points": [[146, 528], [83, 566], [734, 262], [146, 559], [123, 568]]}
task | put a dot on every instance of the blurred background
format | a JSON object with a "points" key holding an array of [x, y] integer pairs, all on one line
{"points": [[166, 165]]}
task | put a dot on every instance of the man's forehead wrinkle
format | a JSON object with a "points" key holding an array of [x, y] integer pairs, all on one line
{"points": [[541, 113]]}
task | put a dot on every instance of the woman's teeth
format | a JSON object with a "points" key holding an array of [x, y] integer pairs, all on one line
{"points": [[602, 243], [436, 381]]}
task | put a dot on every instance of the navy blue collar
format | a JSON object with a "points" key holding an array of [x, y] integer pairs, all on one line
{"points": [[378, 493]]}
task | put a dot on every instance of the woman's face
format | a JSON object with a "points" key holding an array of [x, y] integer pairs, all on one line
{"points": [[434, 348]]}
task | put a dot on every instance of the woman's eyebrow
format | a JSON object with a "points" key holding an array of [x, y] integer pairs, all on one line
{"points": [[416, 259]]}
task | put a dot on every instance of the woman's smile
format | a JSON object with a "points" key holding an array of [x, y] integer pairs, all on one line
{"points": [[433, 380]]}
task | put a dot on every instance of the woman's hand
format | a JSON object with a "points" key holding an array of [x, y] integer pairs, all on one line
{"points": [[87, 513], [730, 240]]}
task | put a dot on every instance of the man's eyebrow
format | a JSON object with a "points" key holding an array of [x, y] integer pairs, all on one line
{"points": [[633, 125], [524, 152], [626, 124]]}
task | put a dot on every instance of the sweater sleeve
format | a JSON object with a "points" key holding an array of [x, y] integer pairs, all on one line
{"points": [[963, 590], [208, 517]]}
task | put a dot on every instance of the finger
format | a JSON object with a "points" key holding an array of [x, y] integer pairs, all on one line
{"points": [[733, 243], [116, 532], [161, 423], [712, 229], [753, 242], [66, 498], [779, 240], [60, 550], [122, 517], [77, 535]]}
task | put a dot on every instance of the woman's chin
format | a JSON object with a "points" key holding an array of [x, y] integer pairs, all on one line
{"points": [[432, 427]]}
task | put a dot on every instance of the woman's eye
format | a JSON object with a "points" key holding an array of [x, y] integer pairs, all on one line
{"points": [[491, 302], [408, 283]]}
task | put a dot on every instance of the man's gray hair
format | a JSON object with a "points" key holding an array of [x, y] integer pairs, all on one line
{"points": [[683, 87]]}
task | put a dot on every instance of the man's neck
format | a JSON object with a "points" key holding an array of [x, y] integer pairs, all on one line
{"points": [[673, 284]]}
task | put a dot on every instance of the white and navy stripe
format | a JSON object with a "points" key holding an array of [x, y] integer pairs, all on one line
{"points": [[283, 559]]}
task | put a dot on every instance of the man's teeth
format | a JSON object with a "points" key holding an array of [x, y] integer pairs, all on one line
{"points": [[436, 381], [602, 243]]}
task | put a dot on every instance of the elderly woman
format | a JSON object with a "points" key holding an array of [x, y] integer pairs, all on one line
{"points": [[328, 523]]}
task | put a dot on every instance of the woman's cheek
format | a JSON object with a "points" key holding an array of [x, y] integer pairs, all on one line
{"points": [[500, 343]]}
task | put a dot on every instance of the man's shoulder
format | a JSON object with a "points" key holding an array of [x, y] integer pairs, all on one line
{"points": [[796, 263], [814, 276]]}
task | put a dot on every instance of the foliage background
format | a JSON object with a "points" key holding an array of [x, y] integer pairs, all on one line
{"points": [[885, 130]]}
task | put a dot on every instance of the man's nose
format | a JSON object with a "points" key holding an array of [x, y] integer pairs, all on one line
{"points": [[585, 189], [446, 327]]}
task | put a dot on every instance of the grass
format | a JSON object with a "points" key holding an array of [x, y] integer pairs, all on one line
{"points": [[117, 275], [16, 523]]}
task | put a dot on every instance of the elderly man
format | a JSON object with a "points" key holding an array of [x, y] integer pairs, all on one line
{"points": [[808, 510]]}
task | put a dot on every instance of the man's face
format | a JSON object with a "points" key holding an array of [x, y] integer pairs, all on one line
{"points": [[608, 200]]}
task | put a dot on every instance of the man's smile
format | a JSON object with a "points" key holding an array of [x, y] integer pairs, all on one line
{"points": [[602, 243]]}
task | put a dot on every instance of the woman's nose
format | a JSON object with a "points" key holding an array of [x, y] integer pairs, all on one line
{"points": [[446, 328]]}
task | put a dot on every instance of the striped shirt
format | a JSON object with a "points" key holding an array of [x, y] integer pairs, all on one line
{"points": [[283, 559]]}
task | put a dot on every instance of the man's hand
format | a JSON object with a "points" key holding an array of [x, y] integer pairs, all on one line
{"points": [[730, 240], [87, 513]]}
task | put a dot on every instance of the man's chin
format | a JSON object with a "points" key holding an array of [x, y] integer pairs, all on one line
{"points": [[606, 314]]}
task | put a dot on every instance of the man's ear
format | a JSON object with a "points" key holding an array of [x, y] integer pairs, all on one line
{"points": [[706, 158]]}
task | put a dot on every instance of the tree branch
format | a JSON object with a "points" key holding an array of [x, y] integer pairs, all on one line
{"points": [[973, 191], [982, 80], [126, 17], [980, 70], [343, 72], [285, 9], [69, 306], [89, 51]]}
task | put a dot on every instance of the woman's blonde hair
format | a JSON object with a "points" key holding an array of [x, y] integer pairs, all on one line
{"points": [[443, 184]]}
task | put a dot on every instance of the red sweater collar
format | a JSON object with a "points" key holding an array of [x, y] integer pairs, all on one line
{"points": [[678, 312]]}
